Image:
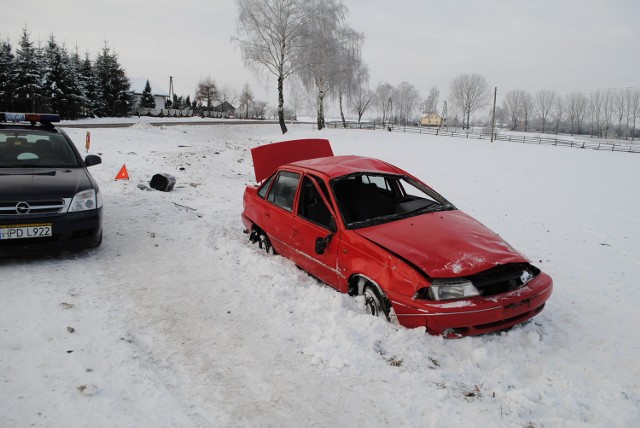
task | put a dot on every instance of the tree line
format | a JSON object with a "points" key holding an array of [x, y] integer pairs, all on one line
{"points": [[48, 78], [600, 113]]}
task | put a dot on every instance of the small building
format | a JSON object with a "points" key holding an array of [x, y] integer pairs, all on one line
{"points": [[431, 119], [137, 87]]}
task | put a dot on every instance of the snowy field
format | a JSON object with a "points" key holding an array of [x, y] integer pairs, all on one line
{"points": [[178, 321]]}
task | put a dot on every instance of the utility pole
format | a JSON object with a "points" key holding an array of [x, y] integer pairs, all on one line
{"points": [[444, 115], [493, 115], [171, 88]]}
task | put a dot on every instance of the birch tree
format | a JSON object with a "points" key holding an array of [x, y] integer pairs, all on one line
{"points": [[269, 34], [331, 47]]}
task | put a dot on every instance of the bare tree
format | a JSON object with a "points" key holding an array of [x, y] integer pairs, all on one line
{"points": [[431, 103], [634, 108], [620, 107], [207, 92], [407, 98], [382, 99], [469, 92], [512, 106], [607, 110], [226, 95], [360, 101], [270, 35], [576, 103], [246, 99], [296, 93], [544, 101], [528, 105], [594, 110], [258, 109], [558, 112], [353, 77]]}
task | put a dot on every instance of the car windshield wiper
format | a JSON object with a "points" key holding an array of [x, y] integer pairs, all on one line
{"points": [[435, 208], [374, 221]]}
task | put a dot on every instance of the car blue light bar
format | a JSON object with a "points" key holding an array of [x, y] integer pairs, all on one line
{"points": [[29, 117]]}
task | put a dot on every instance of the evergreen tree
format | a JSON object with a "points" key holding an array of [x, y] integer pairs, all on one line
{"points": [[7, 71], [60, 85], [147, 100], [26, 75], [112, 85], [80, 100], [90, 83]]}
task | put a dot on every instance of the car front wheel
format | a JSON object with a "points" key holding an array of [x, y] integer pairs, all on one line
{"points": [[375, 303]]}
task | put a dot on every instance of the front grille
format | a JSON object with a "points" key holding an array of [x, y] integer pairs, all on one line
{"points": [[504, 278], [32, 207]]}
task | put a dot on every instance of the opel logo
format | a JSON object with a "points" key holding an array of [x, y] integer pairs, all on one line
{"points": [[22, 208]]}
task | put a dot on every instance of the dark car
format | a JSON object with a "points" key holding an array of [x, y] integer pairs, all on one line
{"points": [[366, 227], [48, 199]]}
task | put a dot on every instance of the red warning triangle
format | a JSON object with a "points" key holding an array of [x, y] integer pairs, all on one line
{"points": [[123, 174]]}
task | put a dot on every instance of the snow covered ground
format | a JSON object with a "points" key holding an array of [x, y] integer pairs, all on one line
{"points": [[177, 320]]}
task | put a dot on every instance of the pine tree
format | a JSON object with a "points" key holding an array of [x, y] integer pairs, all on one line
{"points": [[26, 75], [7, 71], [112, 85], [147, 100], [60, 84], [90, 83]]}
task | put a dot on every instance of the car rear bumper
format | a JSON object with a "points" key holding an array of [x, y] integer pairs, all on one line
{"points": [[475, 316], [69, 232]]}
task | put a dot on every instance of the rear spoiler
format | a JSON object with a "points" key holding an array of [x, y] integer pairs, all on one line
{"points": [[267, 158]]}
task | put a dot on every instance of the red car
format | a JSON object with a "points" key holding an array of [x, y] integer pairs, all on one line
{"points": [[366, 227]]}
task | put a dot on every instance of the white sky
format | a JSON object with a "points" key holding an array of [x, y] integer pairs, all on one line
{"points": [[562, 45]]}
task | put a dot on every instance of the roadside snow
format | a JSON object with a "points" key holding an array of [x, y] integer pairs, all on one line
{"points": [[177, 320]]}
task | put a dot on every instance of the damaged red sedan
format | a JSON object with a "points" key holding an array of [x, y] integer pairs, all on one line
{"points": [[366, 227]]}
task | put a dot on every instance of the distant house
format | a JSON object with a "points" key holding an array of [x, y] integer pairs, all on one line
{"points": [[137, 87], [225, 108], [431, 119], [218, 109]]}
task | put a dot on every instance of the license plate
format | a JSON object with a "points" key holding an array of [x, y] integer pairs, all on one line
{"points": [[18, 231]]}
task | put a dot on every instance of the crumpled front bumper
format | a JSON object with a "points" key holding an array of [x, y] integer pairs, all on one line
{"points": [[474, 316]]}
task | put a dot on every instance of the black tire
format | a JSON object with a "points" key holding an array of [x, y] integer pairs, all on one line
{"points": [[265, 243], [376, 304]]}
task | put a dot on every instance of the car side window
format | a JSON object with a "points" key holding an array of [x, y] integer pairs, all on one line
{"points": [[311, 205], [265, 187], [283, 191]]}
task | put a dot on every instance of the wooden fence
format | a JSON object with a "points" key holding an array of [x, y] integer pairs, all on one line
{"points": [[451, 132]]}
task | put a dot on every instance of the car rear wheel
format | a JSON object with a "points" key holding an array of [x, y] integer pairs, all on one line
{"points": [[265, 243], [376, 304]]}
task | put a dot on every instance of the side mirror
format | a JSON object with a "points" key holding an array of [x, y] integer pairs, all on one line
{"points": [[92, 160], [323, 243]]}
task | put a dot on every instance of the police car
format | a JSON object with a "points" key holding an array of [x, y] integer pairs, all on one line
{"points": [[48, 199]]}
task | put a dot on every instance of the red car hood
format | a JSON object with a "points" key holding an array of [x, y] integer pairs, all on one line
{"points": [[443, 244]]}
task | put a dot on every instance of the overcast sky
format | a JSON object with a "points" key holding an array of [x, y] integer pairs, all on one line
{"points": [[563, 45]]}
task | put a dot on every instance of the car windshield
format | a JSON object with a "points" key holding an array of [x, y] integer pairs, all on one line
{"points": [[35, 149], [370, 199]]}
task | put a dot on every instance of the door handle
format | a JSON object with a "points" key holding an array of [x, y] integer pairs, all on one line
{"points": [[267, 213], [295, 231]]}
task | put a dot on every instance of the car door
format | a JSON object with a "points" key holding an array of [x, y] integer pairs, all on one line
{"points": [[314, 234], [277, 213]]}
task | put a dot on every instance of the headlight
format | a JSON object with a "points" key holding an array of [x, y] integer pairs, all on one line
{"points": [[448, 289], [84, 201]]}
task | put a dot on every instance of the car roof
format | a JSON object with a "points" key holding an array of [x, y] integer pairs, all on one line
{"points": [[338, 166]]}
